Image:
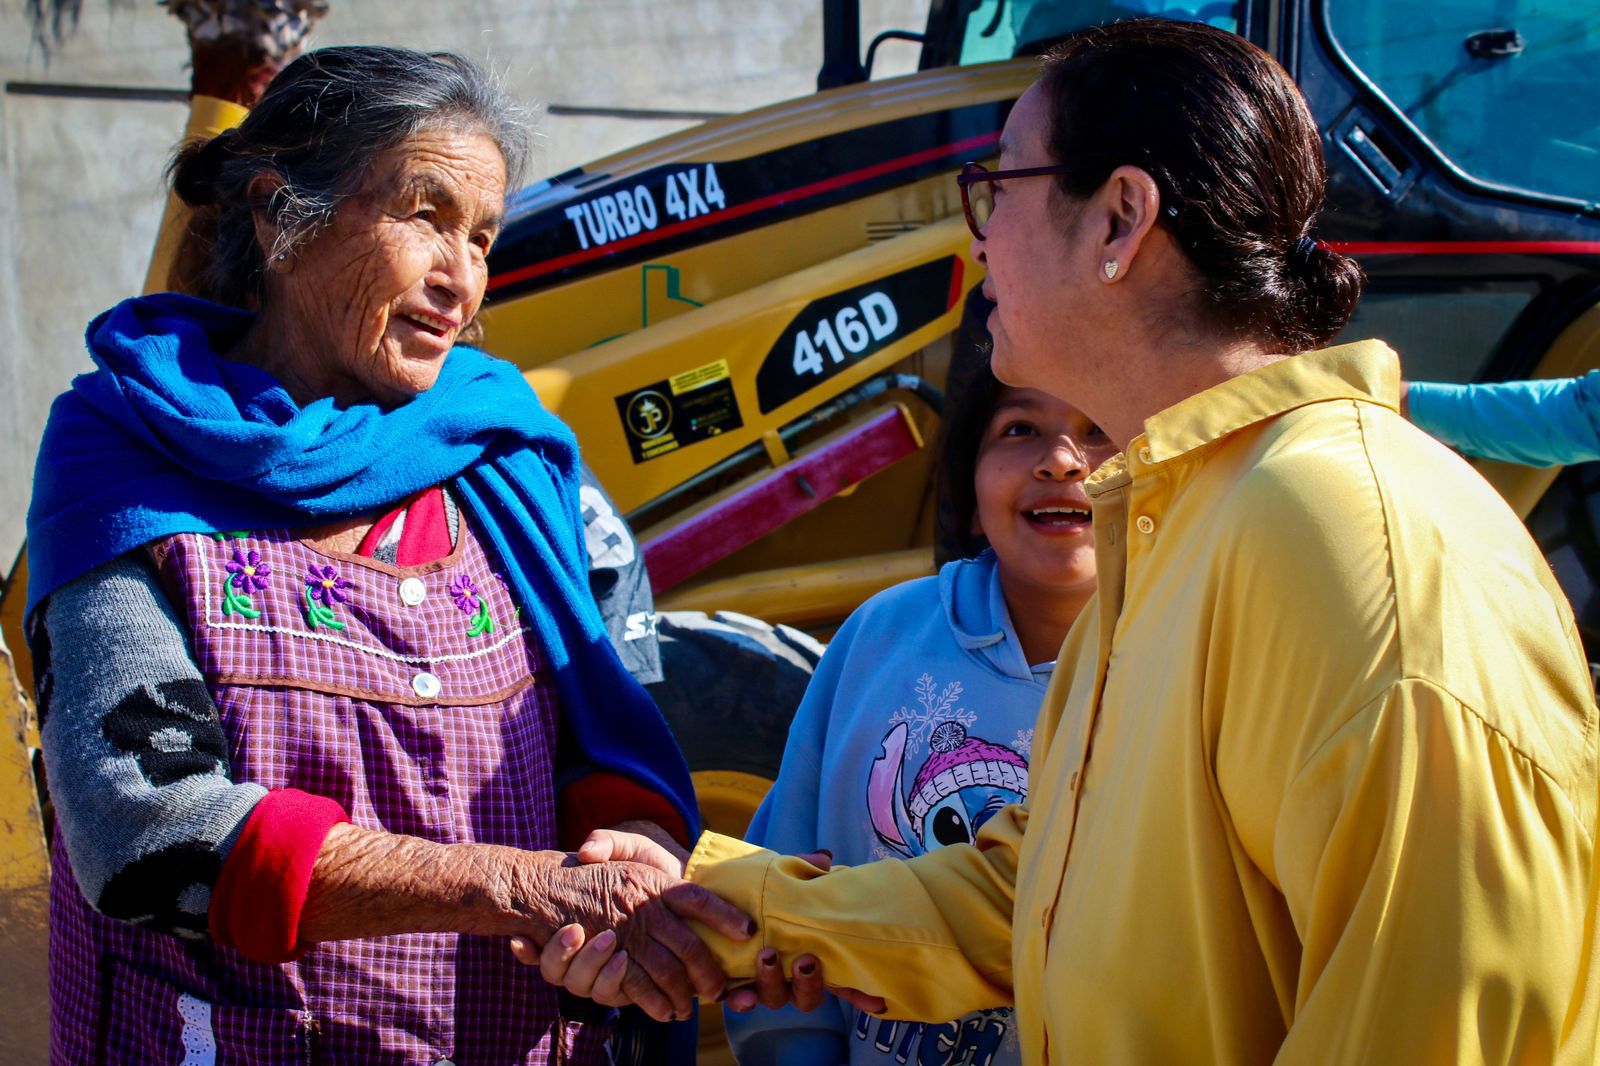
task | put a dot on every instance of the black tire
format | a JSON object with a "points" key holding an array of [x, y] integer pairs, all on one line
{"points": [[731, 687]]}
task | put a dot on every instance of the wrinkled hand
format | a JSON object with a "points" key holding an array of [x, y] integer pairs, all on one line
{"points": [[667, 965], [806, 991]]}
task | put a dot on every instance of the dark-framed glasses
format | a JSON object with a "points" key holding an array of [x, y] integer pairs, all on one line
{"points": [[977, 190]]}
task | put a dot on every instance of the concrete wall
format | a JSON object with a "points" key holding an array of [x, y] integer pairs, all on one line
{"points": [[80, 179]]}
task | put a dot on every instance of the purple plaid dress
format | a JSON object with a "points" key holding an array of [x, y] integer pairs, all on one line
{"points": [[415, 698]]}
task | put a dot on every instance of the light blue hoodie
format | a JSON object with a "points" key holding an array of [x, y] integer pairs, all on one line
{"points": [[914, 731], [1547, 422]]}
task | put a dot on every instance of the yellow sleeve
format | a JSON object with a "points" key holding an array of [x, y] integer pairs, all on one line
{"points": [[1438, 882], [931, 934]]}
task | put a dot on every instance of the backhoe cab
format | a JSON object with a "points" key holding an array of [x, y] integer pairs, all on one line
{"points": [[730, 316]]}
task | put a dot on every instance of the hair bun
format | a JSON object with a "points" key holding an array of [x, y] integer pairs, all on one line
{"points": [[1300, 254], [1329, 284], [198, 167]]}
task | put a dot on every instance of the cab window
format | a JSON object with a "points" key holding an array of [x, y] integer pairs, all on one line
{"points": [[1001, 29], [1446, 331], [1497, 87]]}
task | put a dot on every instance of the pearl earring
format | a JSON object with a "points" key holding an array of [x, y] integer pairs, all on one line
{"points": [[1111, 269]]}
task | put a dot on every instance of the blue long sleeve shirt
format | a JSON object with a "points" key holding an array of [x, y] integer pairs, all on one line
{"points": [[916, 727], [1546, 422]]}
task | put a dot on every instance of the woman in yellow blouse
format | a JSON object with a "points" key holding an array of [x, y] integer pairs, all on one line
{"points": [[1315, 781]]}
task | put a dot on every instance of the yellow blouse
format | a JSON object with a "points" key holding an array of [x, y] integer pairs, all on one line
{"points": [[1316, 781]]}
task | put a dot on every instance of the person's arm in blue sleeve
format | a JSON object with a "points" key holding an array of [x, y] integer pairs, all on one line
{"points": [[787, 822], [1545, 422]]}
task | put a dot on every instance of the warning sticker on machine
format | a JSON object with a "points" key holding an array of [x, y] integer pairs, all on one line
{"points": [[684, 409]]}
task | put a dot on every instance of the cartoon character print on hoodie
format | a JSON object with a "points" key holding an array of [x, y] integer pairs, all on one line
{"points": [[915, 731], [962, 781], [961, 784]]}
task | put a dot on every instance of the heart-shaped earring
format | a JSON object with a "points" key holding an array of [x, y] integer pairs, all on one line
{"points": [[1111, 269]]}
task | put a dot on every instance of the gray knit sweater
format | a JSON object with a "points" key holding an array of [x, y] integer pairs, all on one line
{"points": [[138, 763]]}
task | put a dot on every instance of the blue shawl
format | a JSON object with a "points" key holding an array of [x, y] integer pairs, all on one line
{"points": [[166, 436]]}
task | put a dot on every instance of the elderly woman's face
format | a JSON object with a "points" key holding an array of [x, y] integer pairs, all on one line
{"points": [[381, 295]]}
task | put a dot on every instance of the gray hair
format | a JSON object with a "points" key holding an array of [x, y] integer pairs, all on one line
{"points": [[318, 128]]}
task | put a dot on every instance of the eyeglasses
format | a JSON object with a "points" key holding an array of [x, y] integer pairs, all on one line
{"points": [[977, 194]]}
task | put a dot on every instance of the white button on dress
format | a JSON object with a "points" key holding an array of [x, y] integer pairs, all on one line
{"points": [[413, 591], [426, 685], [1145, 524]]}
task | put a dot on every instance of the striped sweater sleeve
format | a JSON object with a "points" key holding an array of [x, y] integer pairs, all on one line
{"points": [[137, 759]]}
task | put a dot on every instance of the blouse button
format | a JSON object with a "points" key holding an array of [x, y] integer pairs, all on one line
{"points": [[1144, 455], [1145, 524], [425, 685], [413, 591]]}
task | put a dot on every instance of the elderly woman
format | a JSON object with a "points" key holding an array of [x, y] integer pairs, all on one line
{"points": [[322, 684], [1315, 780]]}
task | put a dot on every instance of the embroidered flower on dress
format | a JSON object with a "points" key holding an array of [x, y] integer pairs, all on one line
{"points": [[467, 597], [249, 572], [246, 573], [465, 591], [324, 584]]}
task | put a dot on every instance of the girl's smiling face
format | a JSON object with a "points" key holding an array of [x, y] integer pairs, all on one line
{"points": [[1035, 454]]}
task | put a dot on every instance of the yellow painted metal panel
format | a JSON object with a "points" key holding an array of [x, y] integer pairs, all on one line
{"points": [[808, 595], [12, 598], [741, 330], [208, 117], [24, 860], [534, 329]]}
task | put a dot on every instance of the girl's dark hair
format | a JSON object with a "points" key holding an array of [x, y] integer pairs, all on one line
{"points": [[1232, 146], [971, 393], [318, 127]]}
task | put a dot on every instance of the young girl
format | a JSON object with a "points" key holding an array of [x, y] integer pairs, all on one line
{"points": [[917, 726]]}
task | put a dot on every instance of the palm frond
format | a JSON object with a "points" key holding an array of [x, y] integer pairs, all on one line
{"points": [[52, 22], [270, 29]]}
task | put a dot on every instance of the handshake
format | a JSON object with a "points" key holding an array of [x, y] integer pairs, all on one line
{"points": [[615, 930]]}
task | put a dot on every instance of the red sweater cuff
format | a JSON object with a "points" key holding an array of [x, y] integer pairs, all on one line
{"points": [[261, 893], [601, 800]]}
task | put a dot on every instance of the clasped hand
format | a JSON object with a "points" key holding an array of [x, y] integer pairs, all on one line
{"points": [[651, 958]]}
